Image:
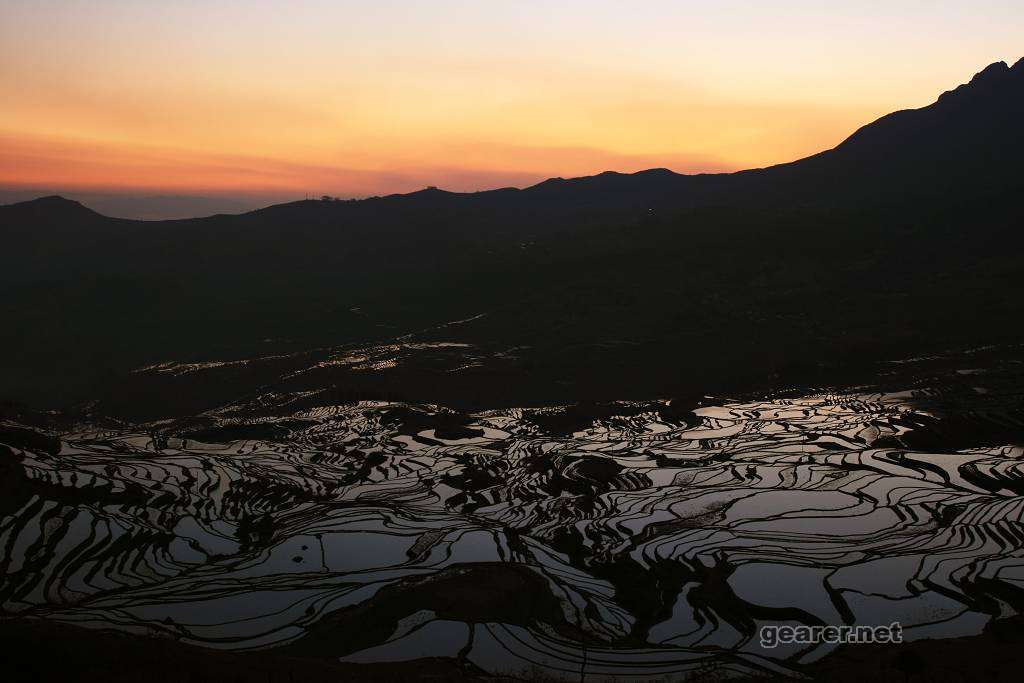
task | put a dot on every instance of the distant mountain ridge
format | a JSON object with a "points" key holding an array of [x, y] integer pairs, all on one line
{"points": [[973, 128], [605, 286]]}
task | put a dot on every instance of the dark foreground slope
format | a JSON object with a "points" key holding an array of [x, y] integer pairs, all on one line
{"points": [[904, 240]]}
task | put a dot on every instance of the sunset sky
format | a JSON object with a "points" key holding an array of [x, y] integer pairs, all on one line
{"points": [[258, 100]]}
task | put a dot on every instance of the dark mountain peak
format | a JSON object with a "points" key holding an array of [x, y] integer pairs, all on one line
{"points": [[655, 172], [991, 72], [53, 205], [430, 192], [428, 197], [989, 80], [54, 200], [557, 181], [605, 179]]}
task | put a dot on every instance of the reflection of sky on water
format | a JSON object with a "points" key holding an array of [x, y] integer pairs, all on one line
{"points": [[774, 512]]}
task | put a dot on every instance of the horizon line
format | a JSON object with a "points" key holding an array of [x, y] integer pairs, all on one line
{"points": [[321, 197]]}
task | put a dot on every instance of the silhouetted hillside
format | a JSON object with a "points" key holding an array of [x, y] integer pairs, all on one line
{"points": [[902, 240]]}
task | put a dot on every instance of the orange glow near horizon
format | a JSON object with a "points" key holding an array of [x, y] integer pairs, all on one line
{"points": [[338, 98]]}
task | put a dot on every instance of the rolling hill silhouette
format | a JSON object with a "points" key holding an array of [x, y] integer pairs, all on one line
{"points": [[902, 240]]}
